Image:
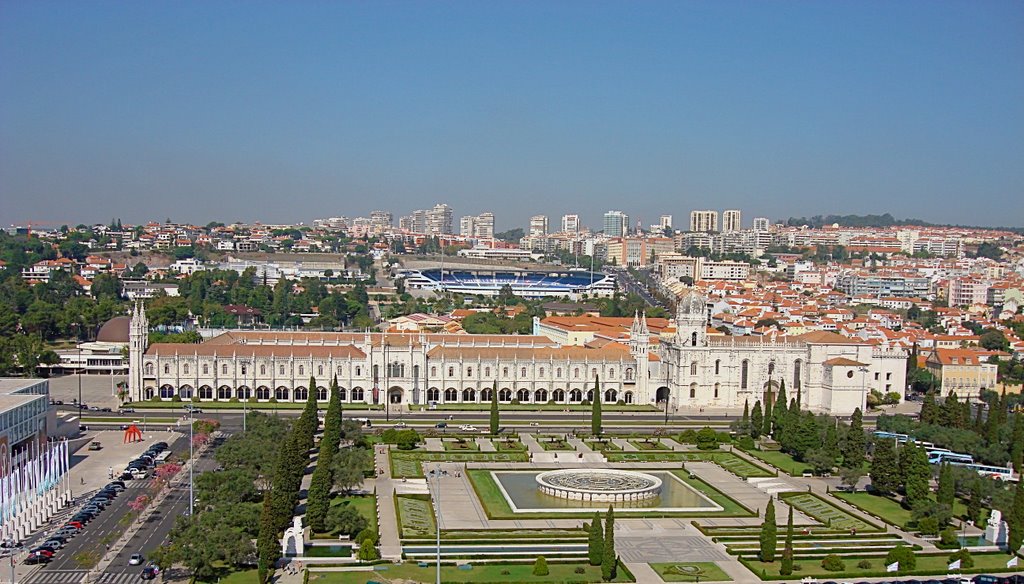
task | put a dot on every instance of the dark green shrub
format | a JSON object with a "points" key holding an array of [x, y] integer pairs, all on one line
{"points": [[833, 563]]}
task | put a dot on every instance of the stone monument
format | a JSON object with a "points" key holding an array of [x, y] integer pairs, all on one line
{"points": [[293, 543], [996, 530]]}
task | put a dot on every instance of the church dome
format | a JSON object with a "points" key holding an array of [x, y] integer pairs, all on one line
{"points": [[114, 330], [692, 302]]}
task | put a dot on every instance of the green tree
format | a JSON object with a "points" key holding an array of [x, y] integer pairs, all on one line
{"points": [[756, 421], [267, 548], [904, 555], [853, 451], [946, 493], [917, 475], [368, 550], [595, 541], [1017, 442], [769, 533], [929, 409], [608, 557], [787, 551], [780, 414], [595, 412], [494, 410], [884, 467], [974, 500], [540, 566], [345, 519], [1015, 519], [769, 418]]}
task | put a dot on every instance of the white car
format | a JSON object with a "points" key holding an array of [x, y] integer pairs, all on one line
{"points": [[135, 560], [467, 428], [401, 425]]}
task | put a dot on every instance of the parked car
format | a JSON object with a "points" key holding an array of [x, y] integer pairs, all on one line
{"points": [[441, 425], [116, 487], [95, 446], [150, 572], [126, 410], [43, 551], [75, 524], [54, 543], [39, 559], [467, 428], [193, 409]]}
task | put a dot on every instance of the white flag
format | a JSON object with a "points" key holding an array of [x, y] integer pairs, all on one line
{"points": [[1012, 563], [954, 565], [893, 567]]}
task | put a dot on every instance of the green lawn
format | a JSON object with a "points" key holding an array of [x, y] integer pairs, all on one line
{"points": [[547, 443], [652, 445], [493, 573], [365, 504], [828, 514], [890, 510], [780, 460], [603, 446], [243, 577], [690, 572], [415, 515], [509, 446], [463, 446], [926, 565], [408, 463], [726, 460]]}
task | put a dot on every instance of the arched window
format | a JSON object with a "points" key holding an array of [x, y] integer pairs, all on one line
{"points": [[396, 369], [321, 394], [302, 370], [629, 374], [693, 340], [485, 395], [357, 394], [593, 372], [451, 395], [693, 368], [451, 372], [487, 371], [468, 395], [263, 369], [558, 373], [718, 366], [280, 370], [206, 369], [341, 394], [223, 392], [185, 391], [628, 397], [185, 368], [716, 390], [434, 394], [771, 367], [610, 396], [796, 373], [224, 369], [540, 396], [301, 394], [469, 372], [262, 392], [744, 373], [575, 396], [245, 369], [504, 371], [281, 394], [167, 369], [505, 395], [320, 370], [541, 373], [339, 370], [693, 390], [433, 371], [522, 372], [523, 395], [206, 392], [359, 371], [576, 372], [558, 395], [611, 373], [376, 373]]}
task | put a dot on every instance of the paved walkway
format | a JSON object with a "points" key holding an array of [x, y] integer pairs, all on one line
{"points": [[624, 445], [387, 518], [485, 445]]}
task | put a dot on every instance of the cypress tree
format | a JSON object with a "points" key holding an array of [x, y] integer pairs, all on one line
{"points": [[267, 548], [769, 533], [918, 475], [1017, 443], [595, 541], [787, 551], [884, 473], [929, 410], [494, 409], [780, 416], [745, 420], [768, 417], [608, 557], [853, 453], [946, 493], [1015, 519], [831, 443], [950, 412], [756, 421], [974, 503], [595, 411]]}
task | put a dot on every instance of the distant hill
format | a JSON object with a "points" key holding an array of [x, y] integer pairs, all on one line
{"points": [[885, 220], [512, 235]]}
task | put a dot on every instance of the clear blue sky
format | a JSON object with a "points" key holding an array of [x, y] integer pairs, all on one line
{"points": [[286, 111]]}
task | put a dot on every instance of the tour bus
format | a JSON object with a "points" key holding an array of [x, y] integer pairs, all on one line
{"points": [[161, 458], [939, 457], [993, 472]]}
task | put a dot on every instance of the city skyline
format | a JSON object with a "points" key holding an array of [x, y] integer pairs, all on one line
{"points": [[282, 113]]}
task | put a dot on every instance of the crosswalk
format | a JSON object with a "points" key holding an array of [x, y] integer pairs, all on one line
{"points": [[45, 576]]}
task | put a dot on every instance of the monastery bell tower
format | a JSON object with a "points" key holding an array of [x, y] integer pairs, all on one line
{"points": [[138, 342]]}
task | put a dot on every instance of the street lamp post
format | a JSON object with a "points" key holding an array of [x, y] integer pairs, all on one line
{"points": [[79, 379], [192, 462], [436, 474]]}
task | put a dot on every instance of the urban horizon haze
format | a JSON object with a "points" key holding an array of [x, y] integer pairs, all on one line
{"points": [[286, 112]]}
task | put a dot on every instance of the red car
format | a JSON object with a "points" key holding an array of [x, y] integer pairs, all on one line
{"points": [[42, 552], [75, 524]]}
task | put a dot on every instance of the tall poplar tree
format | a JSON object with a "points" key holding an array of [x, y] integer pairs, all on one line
{"points": [[787, 551], [595, 411], [1015, 519], [769, 533], [917, 475], [768, 417], [595, 541], [756, 421], [268, 550], [780, 415], [608, 558], [1017, 443], [946, 493], [884, 473]]}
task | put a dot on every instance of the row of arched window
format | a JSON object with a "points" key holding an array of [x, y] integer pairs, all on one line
{"points": [[745, 372], [452, 371], [261, 393], [524, 395], [186, 369]]}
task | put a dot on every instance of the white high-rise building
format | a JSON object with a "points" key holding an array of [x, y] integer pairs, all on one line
{"points": [[538, 226], [616, 224], [419, 221], [439, 220], [570, 223], [467, 225], [703, 221], [484, 225], [731, 220], [665, 222], [761, 223], [380, 221]]}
